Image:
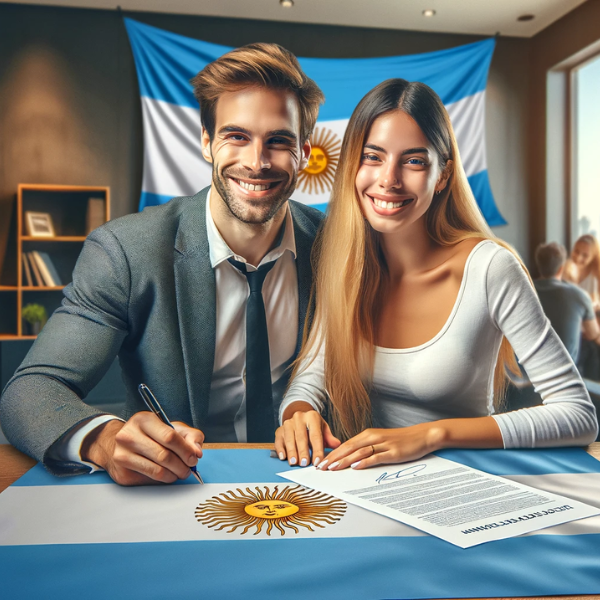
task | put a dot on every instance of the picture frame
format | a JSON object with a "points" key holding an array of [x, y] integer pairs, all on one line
{"points": [[39, 224]]}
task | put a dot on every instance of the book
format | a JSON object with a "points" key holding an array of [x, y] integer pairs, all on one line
{"points": [[51, 268], [43, 269], [95, 214], [26, 270], [37, 278]]}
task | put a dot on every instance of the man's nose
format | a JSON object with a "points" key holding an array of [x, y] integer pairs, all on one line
{"points": [[256, 157]]}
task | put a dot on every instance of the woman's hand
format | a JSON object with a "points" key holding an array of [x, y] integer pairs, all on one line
{"points": [[382, 446], [304, 430]]}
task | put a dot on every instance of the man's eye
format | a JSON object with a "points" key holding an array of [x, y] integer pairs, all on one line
{"points": [[277, 141]]}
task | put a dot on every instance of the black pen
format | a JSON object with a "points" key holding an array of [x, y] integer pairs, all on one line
{"points": [[153, 405]]}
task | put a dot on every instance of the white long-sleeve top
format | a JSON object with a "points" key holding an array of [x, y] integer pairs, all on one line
{"points": [[451, 375]]}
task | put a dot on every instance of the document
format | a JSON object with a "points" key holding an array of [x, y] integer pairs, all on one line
{"points": [[456, 503]]}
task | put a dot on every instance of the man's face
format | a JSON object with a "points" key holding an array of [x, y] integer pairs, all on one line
{"points": [[256, 151]]}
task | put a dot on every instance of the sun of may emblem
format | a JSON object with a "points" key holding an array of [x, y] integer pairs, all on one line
{"points": [[285, 509], [317, 177]]}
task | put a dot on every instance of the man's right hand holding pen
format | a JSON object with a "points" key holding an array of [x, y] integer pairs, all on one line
{"points": [[143, 450]]}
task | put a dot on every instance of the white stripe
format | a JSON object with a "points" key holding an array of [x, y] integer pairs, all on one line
{"points": [[468, 121], [173, 163], [107, 513]]}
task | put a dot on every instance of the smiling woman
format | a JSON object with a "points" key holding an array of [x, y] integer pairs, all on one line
{"points": [[419, 308]]}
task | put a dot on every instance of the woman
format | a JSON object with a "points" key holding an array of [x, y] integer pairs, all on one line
{"points": [[414, 298], [583, 267]]}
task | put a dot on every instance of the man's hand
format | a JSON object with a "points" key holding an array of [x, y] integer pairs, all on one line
{"points": [[143, 450], [305, 429]]}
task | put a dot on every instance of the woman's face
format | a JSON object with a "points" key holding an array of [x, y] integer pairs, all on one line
{"points": [[399, 173], [582, 254]]}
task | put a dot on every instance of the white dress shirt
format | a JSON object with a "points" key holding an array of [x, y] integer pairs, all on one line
{"points": [[226, 420]]}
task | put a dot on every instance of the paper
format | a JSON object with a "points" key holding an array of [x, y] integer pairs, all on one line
{"points": [[456, 503]]}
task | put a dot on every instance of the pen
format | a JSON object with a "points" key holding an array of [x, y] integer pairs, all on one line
{"points": [[152, 403]]}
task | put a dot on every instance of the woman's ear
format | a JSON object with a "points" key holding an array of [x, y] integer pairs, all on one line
{"points": [[444, 177]]}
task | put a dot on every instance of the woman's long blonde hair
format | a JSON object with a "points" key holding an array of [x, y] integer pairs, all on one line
{"points": [[351, 268]]}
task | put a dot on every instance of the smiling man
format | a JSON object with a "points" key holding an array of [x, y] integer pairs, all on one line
{"points": [[203, 299]]}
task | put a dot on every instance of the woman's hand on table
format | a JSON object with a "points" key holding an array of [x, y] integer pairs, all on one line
{"points": [[383, 446], [304, 430]]}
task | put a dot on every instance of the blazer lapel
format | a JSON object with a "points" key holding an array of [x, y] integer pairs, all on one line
{"points": [[196, 304], [304, 241]]}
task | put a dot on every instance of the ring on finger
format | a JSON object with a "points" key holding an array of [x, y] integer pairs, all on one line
{"points": [[373, 449]]}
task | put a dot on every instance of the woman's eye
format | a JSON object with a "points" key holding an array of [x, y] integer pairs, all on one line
{"points": [[370, 157], [416, 161]]}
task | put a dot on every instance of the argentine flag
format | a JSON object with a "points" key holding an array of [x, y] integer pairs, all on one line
{"points": [[173, 164], [248, 533]]}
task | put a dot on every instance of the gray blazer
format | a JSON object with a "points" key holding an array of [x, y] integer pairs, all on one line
{"points": [[143, 289]]}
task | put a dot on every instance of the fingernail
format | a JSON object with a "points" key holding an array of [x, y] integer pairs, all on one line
{"points": [[322, 465], [293, 460], [334, 465], [303, 462], [281, 456], [354, 465], [317, 461]]}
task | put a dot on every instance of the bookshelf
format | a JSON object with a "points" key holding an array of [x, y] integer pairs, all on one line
{"points": [[73, 210]]}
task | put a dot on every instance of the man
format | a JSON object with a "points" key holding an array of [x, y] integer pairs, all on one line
{"points": [[167, 291], [568, 308]]}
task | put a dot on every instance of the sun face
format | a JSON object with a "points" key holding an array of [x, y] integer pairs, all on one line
{"points": [[286, 509], [317, 176]]}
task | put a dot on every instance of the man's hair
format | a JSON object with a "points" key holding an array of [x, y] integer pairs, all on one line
{"points": [[257, 65], [550, 258]]}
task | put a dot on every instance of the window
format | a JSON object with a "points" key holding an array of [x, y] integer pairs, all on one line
{"points": [[585, 206]]}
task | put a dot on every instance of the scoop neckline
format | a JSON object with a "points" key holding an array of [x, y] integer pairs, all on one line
{"points": [[445, 327]]}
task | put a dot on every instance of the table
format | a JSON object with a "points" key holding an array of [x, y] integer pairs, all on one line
{"points": [[14, 464]]}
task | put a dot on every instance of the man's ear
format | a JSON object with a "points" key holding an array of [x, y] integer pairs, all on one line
{"points": [[205, 141], [306, 148]]}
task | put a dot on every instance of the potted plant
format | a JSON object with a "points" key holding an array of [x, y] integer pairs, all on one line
{"points": [[35, 316]]}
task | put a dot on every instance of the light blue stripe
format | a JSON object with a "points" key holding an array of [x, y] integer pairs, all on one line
{"points": [[297, 569], [255, 466], [480, 185], [166, 62], [151, 199]]}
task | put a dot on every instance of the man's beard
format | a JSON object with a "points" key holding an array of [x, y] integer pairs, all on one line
{"points": [[255, 211]]}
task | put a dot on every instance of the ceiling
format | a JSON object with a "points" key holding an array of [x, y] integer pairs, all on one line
{"points": [[479, 17]]}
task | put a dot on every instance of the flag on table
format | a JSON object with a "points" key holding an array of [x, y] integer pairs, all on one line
{"points": [[249, 533], [173, 165]]}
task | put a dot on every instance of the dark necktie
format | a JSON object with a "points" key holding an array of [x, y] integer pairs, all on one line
{"points": [[260, 421]]}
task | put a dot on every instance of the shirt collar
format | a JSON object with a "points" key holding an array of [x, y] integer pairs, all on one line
{"points": [[220, 251]]}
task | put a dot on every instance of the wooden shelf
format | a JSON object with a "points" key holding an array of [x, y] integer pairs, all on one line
{"points": [[58, 238], [69, 210]]}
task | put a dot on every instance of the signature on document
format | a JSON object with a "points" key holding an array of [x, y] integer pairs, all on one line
{"points": [[412, 470]]}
